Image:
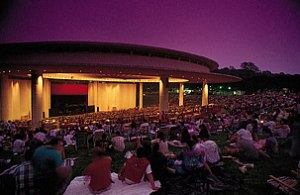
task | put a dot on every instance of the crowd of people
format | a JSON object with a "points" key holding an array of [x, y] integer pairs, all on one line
{"points": [[257, 126]]}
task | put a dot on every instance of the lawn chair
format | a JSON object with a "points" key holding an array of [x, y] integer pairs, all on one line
{"points": [[284, 184]]}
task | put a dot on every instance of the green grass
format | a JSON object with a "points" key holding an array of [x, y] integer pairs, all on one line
{"points": [[254, 181]]}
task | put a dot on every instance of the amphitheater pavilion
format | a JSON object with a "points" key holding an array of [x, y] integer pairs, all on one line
{"points": [[109, 74]]}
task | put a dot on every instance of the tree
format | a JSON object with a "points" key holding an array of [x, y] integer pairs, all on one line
{"points": [[267, 73], [249, 66]]}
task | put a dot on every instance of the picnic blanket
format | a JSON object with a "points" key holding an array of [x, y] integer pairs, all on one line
{"points": [[77, 186]]}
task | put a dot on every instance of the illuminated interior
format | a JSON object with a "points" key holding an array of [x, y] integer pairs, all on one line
{"points": [[101, 78]]}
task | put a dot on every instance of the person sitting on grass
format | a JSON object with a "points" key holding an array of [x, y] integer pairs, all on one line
{"points": [[243, 132], [118, 142], [104, 143], [24, 172], [50, 174], [211, 148], [282, 132], [243, 148], [194, 160], [99, 171], [135, 168], [271, 145], [184, 139], [163, 144], [158, 163]]}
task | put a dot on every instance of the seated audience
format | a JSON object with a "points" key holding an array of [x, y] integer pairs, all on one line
{"points": [[104, 142], [158, 163], [211, 148], [50, 174], [99, 171], [24, 172], [118, 142], [184, 139], [98, 129], [194, 160], [271, 145], [243, 132], [162, 142], [40, 135], [243, 148], [135, 168], [19, 144], [282, 131], [69, 138]]}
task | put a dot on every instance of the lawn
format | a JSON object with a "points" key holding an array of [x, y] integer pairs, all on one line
{"points": [[253, 182]]}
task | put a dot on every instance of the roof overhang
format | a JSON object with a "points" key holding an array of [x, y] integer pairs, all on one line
{"points": [[107, 62]]}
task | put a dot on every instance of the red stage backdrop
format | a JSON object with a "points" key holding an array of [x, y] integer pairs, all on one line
{"points": [[69, 89]]}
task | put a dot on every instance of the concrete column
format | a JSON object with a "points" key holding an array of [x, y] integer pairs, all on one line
{"points": [[91, 94], [46, 97], [205, 93], [163, 94], [141, 95], [181, 89], [95, 86], [36, 99]]}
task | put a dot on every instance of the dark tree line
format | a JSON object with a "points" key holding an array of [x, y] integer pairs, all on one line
{"points": [[254, 79]]}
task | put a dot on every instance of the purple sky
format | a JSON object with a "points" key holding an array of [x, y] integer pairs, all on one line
{"points": [[265, 32]]}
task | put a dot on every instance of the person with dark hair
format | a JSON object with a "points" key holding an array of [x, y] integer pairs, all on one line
{"points": [[244, 148], [158, 163], [146, 148], [135, 168], [185, 136], [99, 171], [194, 160], [255, 130], [133, 128], [282, 130], [271, 145], [118, 142], [211, 148], [184, 139], [104, 142], [50, 174], [243, 132], [23, 174], [162, 142], [19, 144]]}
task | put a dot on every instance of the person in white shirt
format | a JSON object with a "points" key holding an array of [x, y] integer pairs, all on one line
{"points": [[98, 129], [144, 127], [41, 136], [106, 127], [243, 133], [19, 145], [283, 130], [211, 148]]}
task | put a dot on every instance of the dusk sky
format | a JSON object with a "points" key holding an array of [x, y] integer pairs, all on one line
{"points": [[265, 32]]}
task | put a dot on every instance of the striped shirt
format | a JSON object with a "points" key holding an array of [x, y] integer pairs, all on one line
{"points": [[118, 143]]}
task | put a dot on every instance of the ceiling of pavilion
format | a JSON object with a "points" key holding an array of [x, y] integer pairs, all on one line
{"points": [[105, 72]]}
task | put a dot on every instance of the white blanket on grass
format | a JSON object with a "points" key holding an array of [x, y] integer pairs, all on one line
{"points": [[77, 186]]}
